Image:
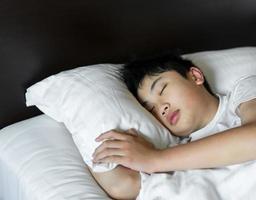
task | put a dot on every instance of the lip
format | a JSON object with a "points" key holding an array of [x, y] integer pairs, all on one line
{"points": [[174, 117]]}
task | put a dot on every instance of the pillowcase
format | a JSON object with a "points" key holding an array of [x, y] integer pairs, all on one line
{"points": [[39, 161], [92, 100], [223, 68]]}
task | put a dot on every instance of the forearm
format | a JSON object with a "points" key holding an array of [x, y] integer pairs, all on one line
{"points": [[119, 183], [229, 147]]}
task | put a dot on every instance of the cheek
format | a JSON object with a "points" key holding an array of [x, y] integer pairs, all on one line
{"points": [[184, 98], [188, 102], [191, 100]]}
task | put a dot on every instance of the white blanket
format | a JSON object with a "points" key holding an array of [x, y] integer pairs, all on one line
{"points": [[237, 182]]}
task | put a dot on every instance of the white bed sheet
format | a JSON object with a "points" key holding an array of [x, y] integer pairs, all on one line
{"points": [[236, 182], [39, 161]]}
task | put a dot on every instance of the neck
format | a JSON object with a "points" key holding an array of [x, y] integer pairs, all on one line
{"points": [[211, 104]]}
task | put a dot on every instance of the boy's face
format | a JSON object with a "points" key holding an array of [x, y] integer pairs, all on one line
{"points": [[174, 100]]}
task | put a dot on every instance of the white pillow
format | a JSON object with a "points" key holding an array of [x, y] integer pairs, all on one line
{"points": [[222, 68], [39, 161], [91, 100]]}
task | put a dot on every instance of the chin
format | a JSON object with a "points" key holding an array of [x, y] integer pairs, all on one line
{"points": [[181, 133]]}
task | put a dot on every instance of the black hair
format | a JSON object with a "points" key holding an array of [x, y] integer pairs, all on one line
{"points": [[134, 72]]}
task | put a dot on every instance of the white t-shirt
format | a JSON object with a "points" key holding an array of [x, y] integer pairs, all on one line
{"points": [[227, 115]]}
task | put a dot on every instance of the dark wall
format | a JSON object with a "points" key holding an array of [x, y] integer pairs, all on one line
{"points": [[41, 37]]}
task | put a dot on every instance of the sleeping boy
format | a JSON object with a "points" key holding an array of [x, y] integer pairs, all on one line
{"points": [[215, 130]]}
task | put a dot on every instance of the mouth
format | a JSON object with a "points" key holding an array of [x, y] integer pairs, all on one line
{"points": [[174, 117]]}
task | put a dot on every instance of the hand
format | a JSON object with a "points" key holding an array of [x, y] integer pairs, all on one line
{"points": [[127, 149]]}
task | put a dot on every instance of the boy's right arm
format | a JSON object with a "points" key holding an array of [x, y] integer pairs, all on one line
{"points": [[119, 183]]}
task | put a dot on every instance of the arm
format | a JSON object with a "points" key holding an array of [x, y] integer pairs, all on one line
{"points": [[225, 148], [119, 183], [232, 146]]}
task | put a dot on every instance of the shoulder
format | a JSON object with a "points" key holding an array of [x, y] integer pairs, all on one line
{"points": [[243, 98], [247, 111]]}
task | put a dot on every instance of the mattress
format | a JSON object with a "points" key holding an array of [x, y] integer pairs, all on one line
{"points": [[38, 160]]}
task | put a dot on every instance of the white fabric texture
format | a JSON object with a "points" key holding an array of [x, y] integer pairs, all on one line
{"points": [[92, 100], [39, 161], [233, 183], [223, 68], [227, 115]]}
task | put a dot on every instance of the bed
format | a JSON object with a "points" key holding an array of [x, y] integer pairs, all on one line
{"points": [[45, 37]]}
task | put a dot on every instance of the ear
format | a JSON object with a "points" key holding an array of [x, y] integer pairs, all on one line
{"points": [[196, 75]]}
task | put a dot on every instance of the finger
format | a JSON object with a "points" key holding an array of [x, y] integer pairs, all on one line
{"points": [[107, 153], [132, 131], [113, 159], [112, 135], [108, 144]]}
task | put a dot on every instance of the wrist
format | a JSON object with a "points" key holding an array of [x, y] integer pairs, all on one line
{"points": [[157, 161]]}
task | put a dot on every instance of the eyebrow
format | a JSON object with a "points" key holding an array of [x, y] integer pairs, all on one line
{"points": [[144, 103], [154, 83]]}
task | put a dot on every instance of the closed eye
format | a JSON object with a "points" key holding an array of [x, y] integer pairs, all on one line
{"points": [[161, 92], [163, 89]]}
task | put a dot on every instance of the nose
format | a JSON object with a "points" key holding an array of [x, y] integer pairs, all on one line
{"points": [[165, 110]]}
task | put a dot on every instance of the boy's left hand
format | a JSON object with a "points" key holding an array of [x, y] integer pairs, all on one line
{"points": [[127, 149]]}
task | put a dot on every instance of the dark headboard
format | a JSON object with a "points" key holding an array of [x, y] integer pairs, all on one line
{"points": [[42, 37]]}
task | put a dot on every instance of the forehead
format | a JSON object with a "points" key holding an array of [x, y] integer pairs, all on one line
{"points": [[144, 86], [149, 81]]}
